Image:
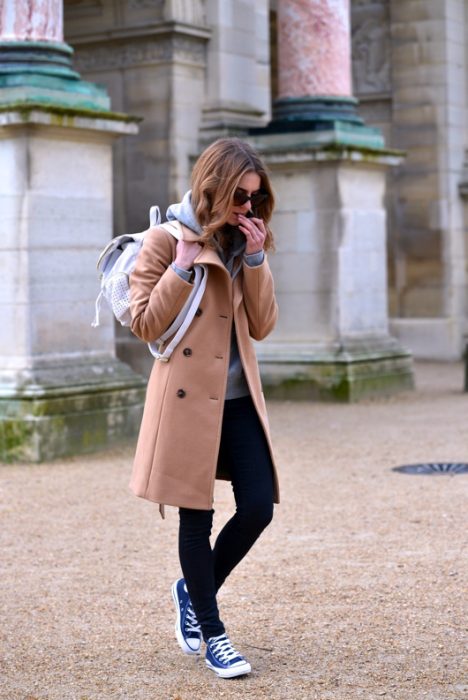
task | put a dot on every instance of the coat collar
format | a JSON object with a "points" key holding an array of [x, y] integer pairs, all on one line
{"points": [[209, 256]]}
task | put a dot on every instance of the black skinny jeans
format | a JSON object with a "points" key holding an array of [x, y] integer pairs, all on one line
{"points": [[245, 452]]}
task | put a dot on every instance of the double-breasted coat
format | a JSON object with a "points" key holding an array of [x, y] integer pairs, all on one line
{"points": [[177, 450]]}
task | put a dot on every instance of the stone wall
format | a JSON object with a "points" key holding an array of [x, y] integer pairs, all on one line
{"points": [[195, 70], [145, 53], [410, 75]]}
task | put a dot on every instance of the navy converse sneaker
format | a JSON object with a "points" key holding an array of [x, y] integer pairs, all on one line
{"points": [[223, 659], [187, 629]]}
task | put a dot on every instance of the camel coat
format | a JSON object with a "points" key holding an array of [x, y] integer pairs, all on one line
{"points": [[177, 451]]}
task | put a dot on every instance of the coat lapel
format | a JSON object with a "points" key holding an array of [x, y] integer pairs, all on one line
{"points": [[208, 256]]}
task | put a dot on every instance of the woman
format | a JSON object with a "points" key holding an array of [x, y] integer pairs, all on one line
{"points": [[205, 415]]}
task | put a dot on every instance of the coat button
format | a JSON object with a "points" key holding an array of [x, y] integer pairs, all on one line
{"points": [[181, 393], [198, 312], [187, 352]]}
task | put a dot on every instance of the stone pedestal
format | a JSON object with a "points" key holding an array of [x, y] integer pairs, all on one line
{"points": [[62, 390], [332, 339]]}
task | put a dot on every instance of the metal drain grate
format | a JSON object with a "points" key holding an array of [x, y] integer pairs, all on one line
{"points": [[433, 468]]}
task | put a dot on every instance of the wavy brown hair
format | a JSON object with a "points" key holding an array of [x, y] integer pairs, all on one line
{"points": [[215, 178]]}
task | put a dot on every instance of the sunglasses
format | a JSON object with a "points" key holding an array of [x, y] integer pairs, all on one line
{"points": [[256, 198]]}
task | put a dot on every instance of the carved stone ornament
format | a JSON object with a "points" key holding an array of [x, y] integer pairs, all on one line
{"points": [[371, 49], [138, 52]]}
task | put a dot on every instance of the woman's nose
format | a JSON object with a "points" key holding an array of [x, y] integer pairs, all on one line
{"points": [[247, 206]]}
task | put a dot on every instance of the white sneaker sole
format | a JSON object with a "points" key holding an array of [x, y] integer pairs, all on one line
{"points": [[241, 670], [178, 632]]}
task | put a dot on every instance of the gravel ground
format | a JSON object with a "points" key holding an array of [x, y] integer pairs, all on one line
{"points": [[357, 589]]}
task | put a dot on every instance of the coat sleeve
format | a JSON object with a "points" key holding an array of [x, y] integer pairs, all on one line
{"points": [[259, 299], [157, 293]]}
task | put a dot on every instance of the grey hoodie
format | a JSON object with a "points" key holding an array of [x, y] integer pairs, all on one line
{"points": [[183, 212]]}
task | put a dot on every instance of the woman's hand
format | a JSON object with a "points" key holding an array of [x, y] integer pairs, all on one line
{"points": [[255, 233], [186, 252]]}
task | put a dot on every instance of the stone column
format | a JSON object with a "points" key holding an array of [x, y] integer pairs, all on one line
{"points": [[314, 70], [62, 391], [329, 173], [23, 20], [314, 51]]}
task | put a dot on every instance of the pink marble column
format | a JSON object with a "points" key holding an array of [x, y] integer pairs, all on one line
{"points": [[314, 48], [31, 20]]}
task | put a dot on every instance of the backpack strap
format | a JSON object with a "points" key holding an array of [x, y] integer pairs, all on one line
{"points": [[185, 317]]}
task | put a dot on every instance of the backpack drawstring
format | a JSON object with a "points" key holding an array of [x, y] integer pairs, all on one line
{"points": [[97, 308]]}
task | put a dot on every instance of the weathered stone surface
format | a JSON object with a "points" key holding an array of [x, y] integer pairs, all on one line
{"points": [[40, 422], [331, 340], [61, 389], [346, 374], [426, 242], [157, 73], [371, 48], [238, 70]]}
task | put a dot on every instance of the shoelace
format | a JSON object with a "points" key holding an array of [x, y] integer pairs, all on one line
{"points": [[191, 622], [223, 650]]}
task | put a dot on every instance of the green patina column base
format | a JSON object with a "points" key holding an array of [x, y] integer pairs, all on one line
{"points": [[346, 376], [41, 421], [41, 72], [329, 120]]}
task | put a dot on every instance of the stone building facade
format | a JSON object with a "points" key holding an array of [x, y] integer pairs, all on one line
{"points": [[196, 69], [410, 75], [358, 108]]}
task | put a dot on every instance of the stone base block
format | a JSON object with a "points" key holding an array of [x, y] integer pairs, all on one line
{"points": [[43, 422], [347, 375]]}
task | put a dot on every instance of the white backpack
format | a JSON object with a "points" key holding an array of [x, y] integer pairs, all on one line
{"points": [[115, 265]]}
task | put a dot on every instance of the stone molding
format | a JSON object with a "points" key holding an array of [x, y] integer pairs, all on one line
{"points": [[126, 52], [55, 117]]}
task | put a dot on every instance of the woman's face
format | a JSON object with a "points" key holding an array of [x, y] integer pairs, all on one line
{"points": [[248, 184]]}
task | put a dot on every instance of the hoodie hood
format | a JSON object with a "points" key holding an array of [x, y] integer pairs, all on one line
{"points": [[183, 212]]}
